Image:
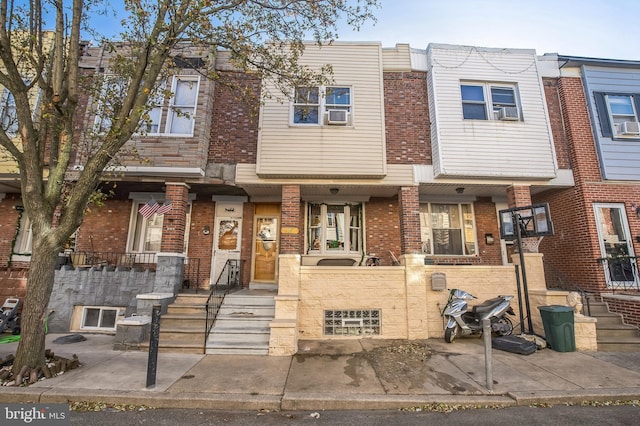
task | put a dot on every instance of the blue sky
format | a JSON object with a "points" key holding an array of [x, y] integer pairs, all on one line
{"points": [[592, 28]]}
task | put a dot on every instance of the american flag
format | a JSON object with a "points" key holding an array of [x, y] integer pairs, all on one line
{"points": [[149, 209], [165, 208]]}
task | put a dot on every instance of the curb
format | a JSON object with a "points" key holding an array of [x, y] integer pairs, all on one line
{"points": [[575, 396]]}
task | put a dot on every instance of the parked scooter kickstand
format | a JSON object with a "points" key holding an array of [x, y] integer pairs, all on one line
{"points": [[460, 321]]}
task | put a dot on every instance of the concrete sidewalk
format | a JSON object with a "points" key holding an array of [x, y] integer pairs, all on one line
{"points": [[345, 374]]}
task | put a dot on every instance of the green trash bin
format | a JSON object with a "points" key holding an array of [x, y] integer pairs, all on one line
{"points": [[558, 327]]}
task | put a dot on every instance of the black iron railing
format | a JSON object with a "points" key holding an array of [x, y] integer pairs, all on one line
{"points": [[621, 272], [229, 278], [96, 259], [193, 274]]}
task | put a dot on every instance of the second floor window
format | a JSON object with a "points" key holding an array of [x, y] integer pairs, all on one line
{"points": [[619, 114], [8, 116], [322, 105], [167, 115], [486, 101]]}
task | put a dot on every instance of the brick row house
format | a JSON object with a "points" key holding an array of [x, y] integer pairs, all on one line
{"points": [[404, 160]]}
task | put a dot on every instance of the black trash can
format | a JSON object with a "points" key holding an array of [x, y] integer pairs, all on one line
{"points": [[558, 327]]}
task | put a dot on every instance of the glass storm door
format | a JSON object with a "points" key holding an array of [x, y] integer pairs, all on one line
{"points": [[266, 241], [227, 237], [615, 246]]}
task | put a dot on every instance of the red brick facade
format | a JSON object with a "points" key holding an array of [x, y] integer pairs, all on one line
{"points": [[290, 241], [382, 228], [234, 124], [406, 109], [175, 221]]}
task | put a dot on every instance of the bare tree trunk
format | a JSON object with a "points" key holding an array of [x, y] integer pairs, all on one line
{"points": [[35, 309]]}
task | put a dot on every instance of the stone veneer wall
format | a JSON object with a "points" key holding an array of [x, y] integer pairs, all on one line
{"points": [[95, 287]]}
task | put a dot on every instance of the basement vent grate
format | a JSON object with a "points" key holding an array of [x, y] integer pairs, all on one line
{"points": [[351, 322]]}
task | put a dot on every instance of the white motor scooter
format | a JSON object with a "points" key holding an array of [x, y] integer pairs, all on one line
{"points": [[459, 321]]}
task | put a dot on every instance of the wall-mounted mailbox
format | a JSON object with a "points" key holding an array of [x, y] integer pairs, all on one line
{"points": [[438, 281]]}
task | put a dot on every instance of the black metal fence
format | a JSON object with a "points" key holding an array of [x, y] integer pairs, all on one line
{"points": [[621, 272], [193, 276]]}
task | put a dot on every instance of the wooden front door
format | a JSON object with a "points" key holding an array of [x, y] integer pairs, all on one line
{"points": [[266, 231]]}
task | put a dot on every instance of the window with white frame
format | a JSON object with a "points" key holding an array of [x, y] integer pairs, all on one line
{"points": [[145, 235], [99, 318], [174, 115], [182, 106], [490, 101], [447, 229], [334, 228], [619, 114], [322, 105], [8, 115], [24, 238]]}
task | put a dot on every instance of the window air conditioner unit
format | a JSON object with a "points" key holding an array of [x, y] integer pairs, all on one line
{"points": [[337, 116], [629, 128], [508, 114]]}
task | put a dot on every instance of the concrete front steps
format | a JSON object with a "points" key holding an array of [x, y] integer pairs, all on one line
{"points": [[613, 335], [182, 327], [242, 325]]}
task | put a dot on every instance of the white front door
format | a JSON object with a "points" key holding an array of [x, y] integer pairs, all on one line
{"points": [[227, 237], [615, 246]]}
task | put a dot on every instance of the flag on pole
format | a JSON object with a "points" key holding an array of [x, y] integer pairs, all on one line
{"points": [[165, 208], [149, 209]]}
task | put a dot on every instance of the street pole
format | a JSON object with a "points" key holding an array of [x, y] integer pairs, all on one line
{"points": [[152, 363]]}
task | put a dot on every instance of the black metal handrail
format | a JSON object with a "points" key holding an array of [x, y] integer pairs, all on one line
{"points": [[621, 272], [229, 278]]}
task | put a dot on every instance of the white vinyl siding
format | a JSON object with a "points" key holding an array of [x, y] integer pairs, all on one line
{"points": [[355, 150], [488, 148], [619, 159]]}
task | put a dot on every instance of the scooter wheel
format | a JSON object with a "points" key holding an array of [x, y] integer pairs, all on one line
{"points": [[450, 334]]}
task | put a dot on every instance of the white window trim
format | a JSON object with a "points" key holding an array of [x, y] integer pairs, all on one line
{"points": [[322, 107], [615, 126], [462, 230], [167, 110], [488, 103], [135, 216], [119, 311], [347, 231], [166, 107]]}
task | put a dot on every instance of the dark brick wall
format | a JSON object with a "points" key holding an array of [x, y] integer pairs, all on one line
{"points": [[382, 227], [234, 125], [487, 223], [406, 109], [557, 126]]}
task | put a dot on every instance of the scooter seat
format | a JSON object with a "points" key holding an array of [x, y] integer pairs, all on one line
{"points": [[487, 305]]}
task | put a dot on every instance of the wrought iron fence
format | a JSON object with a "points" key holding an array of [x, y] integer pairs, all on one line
{"points": [[229, 278], [621, 272], [193, 274]]}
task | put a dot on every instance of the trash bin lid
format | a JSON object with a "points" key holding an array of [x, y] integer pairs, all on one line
{"points": [[555, 308]]}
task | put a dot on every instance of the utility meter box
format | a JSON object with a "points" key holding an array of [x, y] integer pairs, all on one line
{"points": [[438, 281]]}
